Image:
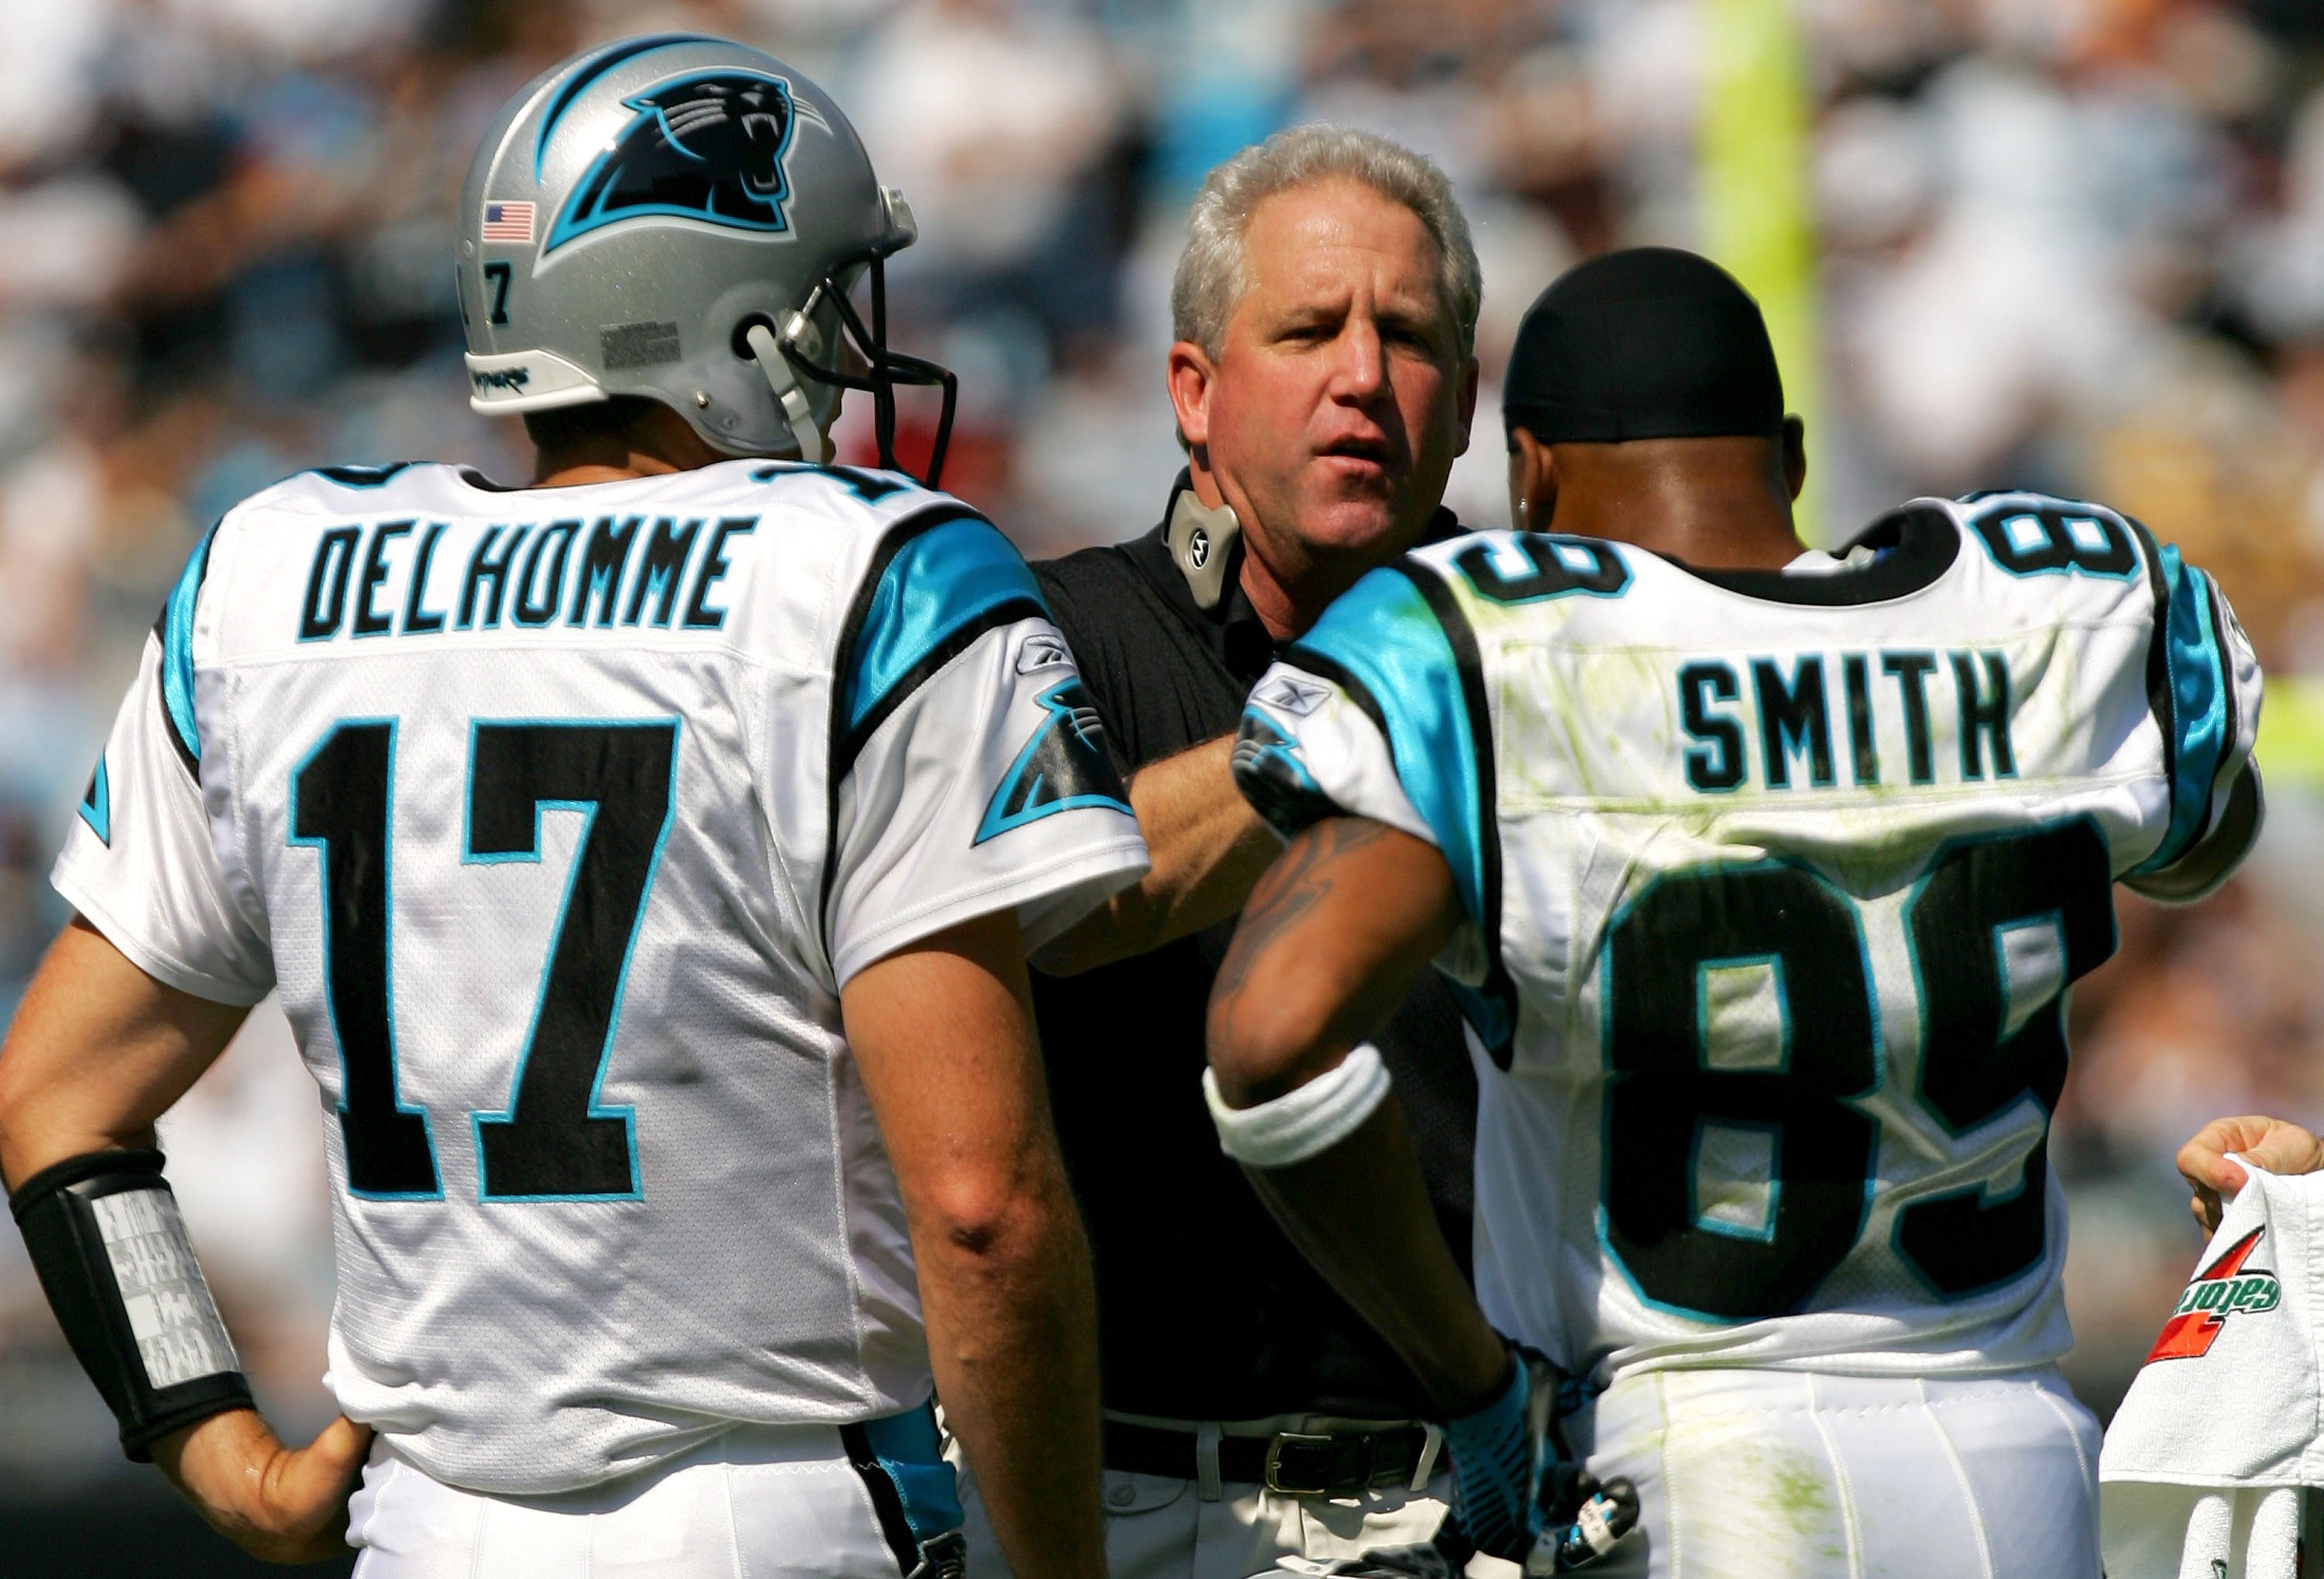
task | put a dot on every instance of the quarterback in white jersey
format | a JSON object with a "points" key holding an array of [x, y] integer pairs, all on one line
{"points": [[1765, 888], [596, 837], [560, 819]]}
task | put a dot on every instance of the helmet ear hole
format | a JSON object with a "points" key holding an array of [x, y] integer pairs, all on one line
{"points": [[741, 342]]}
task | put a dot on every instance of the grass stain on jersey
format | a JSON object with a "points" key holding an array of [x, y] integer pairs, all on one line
{"points": [[1569, 702], [1612, 684]]}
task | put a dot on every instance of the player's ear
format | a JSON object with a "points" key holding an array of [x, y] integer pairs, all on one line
{"points": [[1795, 456], [1532, 481]]}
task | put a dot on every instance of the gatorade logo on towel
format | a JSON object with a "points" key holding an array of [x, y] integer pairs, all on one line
{"points": [[2204, 1464], [2222, 1289]]}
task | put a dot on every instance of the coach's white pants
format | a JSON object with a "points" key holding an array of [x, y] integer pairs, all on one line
{"points": [[1158, 1527], [1764, 1475], [766, 1504]]}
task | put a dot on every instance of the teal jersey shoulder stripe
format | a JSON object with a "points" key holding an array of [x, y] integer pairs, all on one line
{"points": [[1402, 635], [1383, 632], [176, 629], [2201, 710], [939, 582]]}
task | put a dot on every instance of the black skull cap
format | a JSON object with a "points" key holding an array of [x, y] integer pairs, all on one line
{"points": [[1647, 343]]}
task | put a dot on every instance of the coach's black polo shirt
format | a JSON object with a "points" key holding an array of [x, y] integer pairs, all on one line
{"points": [[1205, 1311]]}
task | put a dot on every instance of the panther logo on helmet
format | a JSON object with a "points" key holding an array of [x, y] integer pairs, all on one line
{"points": [[709, 145]]}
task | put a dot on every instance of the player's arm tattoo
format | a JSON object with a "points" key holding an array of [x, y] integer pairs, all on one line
{"points": [[1292, 887]]}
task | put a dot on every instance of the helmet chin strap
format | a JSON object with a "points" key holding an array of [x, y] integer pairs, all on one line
{"points": [[785, 383]]}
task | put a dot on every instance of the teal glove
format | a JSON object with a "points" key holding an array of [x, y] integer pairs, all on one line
{"points": [[1497, 1455]]}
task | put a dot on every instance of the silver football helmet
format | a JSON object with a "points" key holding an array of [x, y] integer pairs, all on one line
{"points": [[683, 219]]}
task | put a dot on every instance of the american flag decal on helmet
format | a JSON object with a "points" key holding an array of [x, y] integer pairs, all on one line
{"points": [[508, 222]]}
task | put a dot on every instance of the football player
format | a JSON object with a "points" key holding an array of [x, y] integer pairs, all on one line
{"points": [[645, 859], [1765, 874]]}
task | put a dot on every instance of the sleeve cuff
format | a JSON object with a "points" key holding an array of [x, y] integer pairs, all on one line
{"points": [[2199, 872], [154, 962], [1049, 899]]}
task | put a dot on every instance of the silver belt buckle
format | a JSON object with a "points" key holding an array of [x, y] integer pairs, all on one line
{"points": [[1274, 1471]]}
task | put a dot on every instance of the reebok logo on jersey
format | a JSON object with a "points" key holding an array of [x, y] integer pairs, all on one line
{"points": [[1041, 651], [2222, 1289], [1297, 697]]}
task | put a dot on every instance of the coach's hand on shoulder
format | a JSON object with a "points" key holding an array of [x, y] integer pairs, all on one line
{"points": [[2276, 1145], [281, 1504]]}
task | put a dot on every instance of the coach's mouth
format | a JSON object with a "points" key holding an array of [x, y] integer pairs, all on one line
{"points": [[1359, 458]]}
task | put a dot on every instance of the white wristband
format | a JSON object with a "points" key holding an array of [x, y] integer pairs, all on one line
{"points": [[1305, 1122]]}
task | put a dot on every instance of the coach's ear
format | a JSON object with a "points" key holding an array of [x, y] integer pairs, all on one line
{"points": [[1532, 481], [1795, 456], [1192, 372]]}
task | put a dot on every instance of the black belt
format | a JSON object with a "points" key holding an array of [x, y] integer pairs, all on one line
{"points": [[1298, 1463]]}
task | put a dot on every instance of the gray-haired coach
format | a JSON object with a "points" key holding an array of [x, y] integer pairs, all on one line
{"points": [[1323, 379]]}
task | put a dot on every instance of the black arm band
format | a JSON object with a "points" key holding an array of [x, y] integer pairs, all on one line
{"points": [[113, 1259]]}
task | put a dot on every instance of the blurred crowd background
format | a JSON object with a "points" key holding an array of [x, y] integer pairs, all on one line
{"points": [[2075, 244]]}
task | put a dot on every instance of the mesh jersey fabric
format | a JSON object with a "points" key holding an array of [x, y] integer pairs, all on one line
{"points": [[559, 819], [1775, 886]]}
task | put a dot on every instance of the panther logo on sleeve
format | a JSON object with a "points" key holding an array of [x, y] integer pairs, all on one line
{"points": [[96, 803], [1267, 770], [1063, 767], [708, 145]]}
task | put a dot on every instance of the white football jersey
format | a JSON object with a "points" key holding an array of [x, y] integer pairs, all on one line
{"points": [[1776, 885], [560, 817]]}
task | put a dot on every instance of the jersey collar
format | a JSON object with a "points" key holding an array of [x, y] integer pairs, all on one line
{"points": [[1911, 547]]}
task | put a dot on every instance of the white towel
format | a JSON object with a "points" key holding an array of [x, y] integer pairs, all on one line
{"points": [[2202, 1464]]}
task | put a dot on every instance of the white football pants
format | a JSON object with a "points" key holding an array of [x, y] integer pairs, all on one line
{"points": [[1769, 1474], [1158, 1527], [768, 1504]]}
